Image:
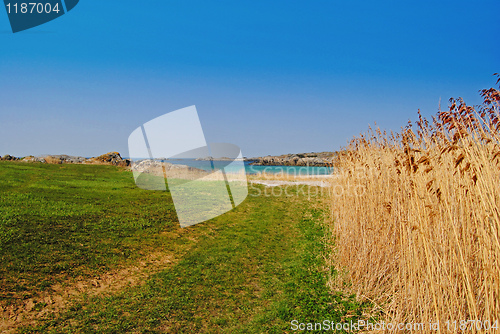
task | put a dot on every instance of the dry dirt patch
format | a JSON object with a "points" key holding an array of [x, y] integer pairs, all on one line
{"points": [[60, 296]]}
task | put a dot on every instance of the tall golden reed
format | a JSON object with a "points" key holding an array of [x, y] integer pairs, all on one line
{"points": [[416, 217]]}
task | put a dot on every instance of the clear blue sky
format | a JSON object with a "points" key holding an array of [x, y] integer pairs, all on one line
{"points": [[273, 77]]}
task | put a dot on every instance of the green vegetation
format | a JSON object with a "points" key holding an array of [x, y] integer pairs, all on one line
{"points": [[70, 220], [252, 270]]}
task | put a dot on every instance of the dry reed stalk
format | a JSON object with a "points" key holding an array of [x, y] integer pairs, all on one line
{"points": [[416, 217]]}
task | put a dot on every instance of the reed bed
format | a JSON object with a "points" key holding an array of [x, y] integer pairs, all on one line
{"points": [[416, 218]]}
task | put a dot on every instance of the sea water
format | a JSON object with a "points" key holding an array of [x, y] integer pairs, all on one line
{"points": [[230, 166]]}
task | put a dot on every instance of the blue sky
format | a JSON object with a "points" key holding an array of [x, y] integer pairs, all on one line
{"points": [[273, 77]]}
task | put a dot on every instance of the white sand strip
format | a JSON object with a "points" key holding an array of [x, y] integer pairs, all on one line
{"points": [[275, 183]]}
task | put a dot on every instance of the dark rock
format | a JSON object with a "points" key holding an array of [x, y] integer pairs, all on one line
{"points": [[9, 157]]}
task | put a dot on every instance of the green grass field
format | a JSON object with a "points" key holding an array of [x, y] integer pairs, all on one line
{"points": [[252, 270]]}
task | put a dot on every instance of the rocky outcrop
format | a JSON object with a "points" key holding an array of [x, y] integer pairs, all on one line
{"points": [[64, 159], [303, 159], [158, 168], [34, 159], [111, 158], [8, 157]]}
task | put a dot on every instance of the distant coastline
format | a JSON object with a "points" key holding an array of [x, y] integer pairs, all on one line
{"points": [[321, 159]]}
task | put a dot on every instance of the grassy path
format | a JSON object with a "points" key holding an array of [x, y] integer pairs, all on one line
{"points": [[252, 270]]}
